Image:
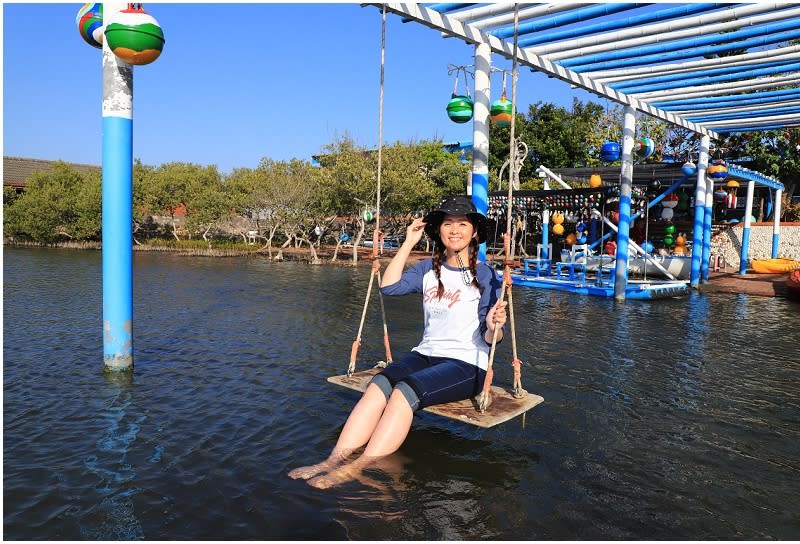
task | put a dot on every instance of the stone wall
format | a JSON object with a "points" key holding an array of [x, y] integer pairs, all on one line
{"points": [[728, 242]]}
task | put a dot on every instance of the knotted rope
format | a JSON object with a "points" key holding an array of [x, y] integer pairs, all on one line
{"points": [[484, 398], [377, 234]]}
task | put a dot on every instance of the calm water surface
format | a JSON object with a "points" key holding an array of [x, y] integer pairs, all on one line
{"points": [[671, 419]]}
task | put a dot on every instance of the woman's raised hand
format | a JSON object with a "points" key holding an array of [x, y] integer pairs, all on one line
{"points": [[415, 231]]}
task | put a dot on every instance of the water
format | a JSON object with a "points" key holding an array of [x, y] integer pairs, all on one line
{"points": [[670, 419]]}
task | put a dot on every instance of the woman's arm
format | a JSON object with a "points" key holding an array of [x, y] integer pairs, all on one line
{"points": [[394, 270]]}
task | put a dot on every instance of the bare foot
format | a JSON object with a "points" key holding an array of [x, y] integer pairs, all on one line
{"points": [[336, 458], [335, 477], [344, 473]]}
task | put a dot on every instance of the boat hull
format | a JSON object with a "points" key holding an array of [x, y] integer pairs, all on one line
{"points": [[635, 289], [774, 266], [793, 283]]}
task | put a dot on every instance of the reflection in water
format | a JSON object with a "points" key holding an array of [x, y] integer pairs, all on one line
{"points": [[114, 517], [673, 419]]}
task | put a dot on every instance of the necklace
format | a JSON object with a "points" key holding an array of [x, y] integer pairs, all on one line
{"points": [[466, 277]]}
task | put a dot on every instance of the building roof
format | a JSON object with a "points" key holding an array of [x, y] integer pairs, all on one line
{"points": [[713, 68], [17, 170]]}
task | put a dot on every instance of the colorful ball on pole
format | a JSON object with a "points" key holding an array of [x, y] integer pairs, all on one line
{"points": [[459, 109], [500, 112], [134, 36], [609, 151], [90, 24]]}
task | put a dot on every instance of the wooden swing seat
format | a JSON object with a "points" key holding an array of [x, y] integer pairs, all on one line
{"points": [[503, 407]]}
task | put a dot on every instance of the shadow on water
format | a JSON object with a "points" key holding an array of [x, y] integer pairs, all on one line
{"points": [[673, 419]]}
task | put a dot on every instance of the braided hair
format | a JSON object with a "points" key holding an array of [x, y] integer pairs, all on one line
{"points": [[438, 258]]}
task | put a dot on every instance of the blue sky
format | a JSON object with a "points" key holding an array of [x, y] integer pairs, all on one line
{"points": [[238, 82]]}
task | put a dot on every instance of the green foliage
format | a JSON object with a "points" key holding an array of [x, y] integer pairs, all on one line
{"points": [[556, 137], [774, 153], [56, 205], [290, 199]]}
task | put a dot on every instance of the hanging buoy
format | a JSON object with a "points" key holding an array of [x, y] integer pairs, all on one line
{"points": [[667, 213], [135, 36], [459, 109], [668, 240], [718, 170], [595, 181], [368, 216], [558, 228], [669, 229], [90, 24], [647, 246], [645, 147], [571, 239], [500, 112], [720, 195], [670, 201], [683, 201], [609, 151], [689, 168], [558, 218]]}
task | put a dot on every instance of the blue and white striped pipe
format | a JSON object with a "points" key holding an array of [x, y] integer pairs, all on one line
{"points": [[671, 51], [707, 77], [714, 102], [573, 16], [626, 22]]}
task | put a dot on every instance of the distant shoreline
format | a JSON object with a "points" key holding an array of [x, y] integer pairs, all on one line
{"points": [[291, 254]]}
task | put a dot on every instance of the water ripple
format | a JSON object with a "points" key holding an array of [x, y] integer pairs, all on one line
{"points": [[668, 420]]}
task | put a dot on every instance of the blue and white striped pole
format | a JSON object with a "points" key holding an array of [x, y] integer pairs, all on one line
{"points": [[479, 186], [625, 190], [776, 223], [117, 205], [704, 192], [748, 213]]}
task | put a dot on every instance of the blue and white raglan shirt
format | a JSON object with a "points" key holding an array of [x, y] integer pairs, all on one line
{"points": [[456, 323]]}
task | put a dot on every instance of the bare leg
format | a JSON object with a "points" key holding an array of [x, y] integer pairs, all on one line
{"points": [[356, 432], [391, 431]]}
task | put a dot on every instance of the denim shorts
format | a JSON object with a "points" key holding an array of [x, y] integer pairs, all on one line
{"points": [[426, 381]]}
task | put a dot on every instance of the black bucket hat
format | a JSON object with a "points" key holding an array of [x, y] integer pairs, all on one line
{"points": [[455, 205]]}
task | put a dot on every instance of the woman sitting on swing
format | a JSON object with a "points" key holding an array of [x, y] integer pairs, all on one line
{"points": [[462, 311]]}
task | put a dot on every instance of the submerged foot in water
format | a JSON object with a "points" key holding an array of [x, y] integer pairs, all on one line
{"points": [[336, 458], [344, 473]]}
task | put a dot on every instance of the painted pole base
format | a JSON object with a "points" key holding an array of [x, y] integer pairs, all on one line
{"points": [[118, 364]]}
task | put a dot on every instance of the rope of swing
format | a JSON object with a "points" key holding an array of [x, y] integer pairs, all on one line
{"points": [[377, 235], [484, 397]]}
